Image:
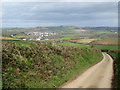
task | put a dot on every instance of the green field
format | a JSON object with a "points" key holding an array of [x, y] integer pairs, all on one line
{"points": [[64, 38], [74, 44], [85, 40], [18, 36], [114, 47], [68, 35], [107, 41], [100, 32]]}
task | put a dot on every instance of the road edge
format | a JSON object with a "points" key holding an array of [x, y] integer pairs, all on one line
{"points": [[77, 75]]}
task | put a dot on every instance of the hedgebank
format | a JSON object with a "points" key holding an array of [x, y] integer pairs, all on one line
{"points": [[30, 65]]}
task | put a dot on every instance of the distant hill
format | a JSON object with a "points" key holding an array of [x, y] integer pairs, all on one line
{"points": [[102, 28]]}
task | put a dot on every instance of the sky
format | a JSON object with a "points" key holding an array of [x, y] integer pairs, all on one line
{"points": [[60, 0], [83, 14]]}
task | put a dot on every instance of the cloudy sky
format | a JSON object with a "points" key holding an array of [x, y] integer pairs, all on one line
{"points": [[32, 14]]}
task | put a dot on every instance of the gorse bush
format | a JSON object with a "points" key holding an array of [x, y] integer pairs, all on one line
{"points": [[46, 65]]}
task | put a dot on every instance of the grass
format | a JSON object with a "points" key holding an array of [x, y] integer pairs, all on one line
{"points": [[64, 38], [104, 32], [107, 41], [68, 35], [99, 32], [116, 81], [18, 36], [8, 38], [68, 44], [85, 40], [115, 47], [61, 28], [102, 47], [29, 65], [73, 44]]}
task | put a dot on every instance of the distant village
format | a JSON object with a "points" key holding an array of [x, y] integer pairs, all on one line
{"points": [[36, 36]]}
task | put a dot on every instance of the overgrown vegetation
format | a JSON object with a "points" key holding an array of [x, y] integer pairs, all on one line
{"points": [[31, 65], [115, 55]]}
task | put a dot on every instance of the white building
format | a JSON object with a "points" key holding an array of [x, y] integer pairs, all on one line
{"points": [[24, 39]]}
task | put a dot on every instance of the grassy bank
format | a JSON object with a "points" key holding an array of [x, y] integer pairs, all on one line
{"points": [[115, 55], [32, 65]]}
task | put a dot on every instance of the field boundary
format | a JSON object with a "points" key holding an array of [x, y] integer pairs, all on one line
{"points": [[77, 75]]}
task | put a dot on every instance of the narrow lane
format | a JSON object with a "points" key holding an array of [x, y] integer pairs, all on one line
{"points": [[97, 76]]}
